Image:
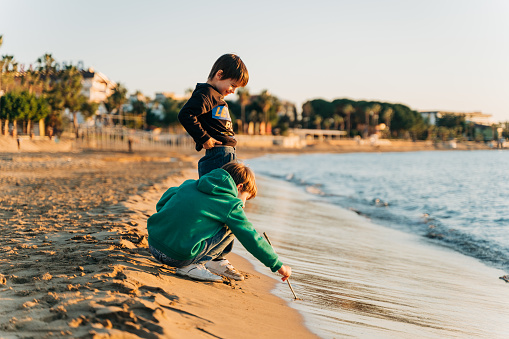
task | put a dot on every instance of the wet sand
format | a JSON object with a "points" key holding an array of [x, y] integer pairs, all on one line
{"points": [[358, 279], [75, 263]]}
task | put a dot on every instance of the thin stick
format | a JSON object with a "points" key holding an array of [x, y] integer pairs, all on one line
{"points": [[287, 280]]}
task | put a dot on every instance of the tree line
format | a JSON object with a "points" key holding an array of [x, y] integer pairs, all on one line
{"points": [[40, 94], [43, 93]]}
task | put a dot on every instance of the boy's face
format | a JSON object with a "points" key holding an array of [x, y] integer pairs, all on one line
{"points": [[224, 86], [242, 195]]}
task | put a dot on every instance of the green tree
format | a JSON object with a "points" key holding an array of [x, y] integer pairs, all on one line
{"points": [[43, 110], [348, 110], [265, 103], [66, 92], [171, 110], [375, 112], [338, 121], [88, 108], [9, 68], [244, 98], [403, 119], [307, 113], [317, 121], [386, 118], [22, 106], [372, 111], [139, 113], [117, 99], [452, 120], [46, 68], [327, 123], [7, 112], [323, 108]]}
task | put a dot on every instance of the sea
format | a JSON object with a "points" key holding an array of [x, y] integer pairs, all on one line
{"points": [[390, 245]]}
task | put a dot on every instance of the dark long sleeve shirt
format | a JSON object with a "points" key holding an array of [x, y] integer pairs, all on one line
{"points": [[205, 115]]}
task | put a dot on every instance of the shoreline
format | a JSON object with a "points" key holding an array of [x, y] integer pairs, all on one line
{"points": [[75, 261], [374, 281]]}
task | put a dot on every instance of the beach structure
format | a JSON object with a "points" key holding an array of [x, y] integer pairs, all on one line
{"points": [[473, 117], [319, 134]]}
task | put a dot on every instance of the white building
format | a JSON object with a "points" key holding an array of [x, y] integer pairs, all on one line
{"points": [[474, 117], [96, 86]]}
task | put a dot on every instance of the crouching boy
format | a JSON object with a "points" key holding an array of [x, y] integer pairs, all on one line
{"points": [[196, 222]]}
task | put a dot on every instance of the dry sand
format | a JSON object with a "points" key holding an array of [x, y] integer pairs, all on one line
{"points": [[74, 261]]}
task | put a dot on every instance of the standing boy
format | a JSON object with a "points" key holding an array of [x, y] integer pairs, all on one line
{"points": [[196, 222], [205, 115]]}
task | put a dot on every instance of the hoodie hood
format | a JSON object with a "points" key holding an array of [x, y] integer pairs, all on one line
{"points": [[217, 182], [204, 86]]}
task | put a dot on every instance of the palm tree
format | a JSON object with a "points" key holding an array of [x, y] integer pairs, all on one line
{"points": [[88, 108], [348, 110], [117, 99], [338, 120], [265, 102], [29, 80], [307, 111], [387, 116], [318, 121], [45, 69], [9, 67], [66, 92], [327, 123], [244, 98], [375, 110]]}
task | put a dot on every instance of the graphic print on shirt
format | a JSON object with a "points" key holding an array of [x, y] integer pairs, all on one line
{"points": [[222, 113]]}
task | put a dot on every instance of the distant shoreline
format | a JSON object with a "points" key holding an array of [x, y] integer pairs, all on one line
{"points": [[257, 145], [353, 146]]}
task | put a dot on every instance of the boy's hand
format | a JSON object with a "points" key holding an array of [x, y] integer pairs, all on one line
{"points": [[285, 271], [211, 143]]}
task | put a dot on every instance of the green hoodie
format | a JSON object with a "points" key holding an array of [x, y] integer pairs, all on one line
{"points": [[195, 211]]}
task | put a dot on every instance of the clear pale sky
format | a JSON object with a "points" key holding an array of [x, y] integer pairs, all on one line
{"points": [[430, 55]]}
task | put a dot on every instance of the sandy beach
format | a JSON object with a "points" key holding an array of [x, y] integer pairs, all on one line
{"points": [[75, 262]]}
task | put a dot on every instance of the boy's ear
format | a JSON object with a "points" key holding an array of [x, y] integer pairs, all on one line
{"points": [[220, 74]]}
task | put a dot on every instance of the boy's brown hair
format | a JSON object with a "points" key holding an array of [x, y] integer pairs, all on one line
{"points": [[232, 67], [242, 174]]}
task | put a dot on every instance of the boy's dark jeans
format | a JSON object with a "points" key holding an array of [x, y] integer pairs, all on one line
{"points": [[216, 247], [215, 158]]}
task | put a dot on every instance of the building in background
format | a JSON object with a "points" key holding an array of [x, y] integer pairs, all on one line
{"points": [[477, 118], [96, 86]]}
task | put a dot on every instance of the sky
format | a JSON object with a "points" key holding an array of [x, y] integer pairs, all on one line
{"points": [[449, 55]]}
